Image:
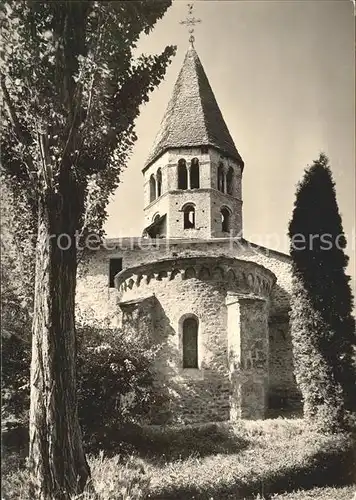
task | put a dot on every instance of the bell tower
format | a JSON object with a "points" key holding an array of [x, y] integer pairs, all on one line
{"points": [[192, 178]]}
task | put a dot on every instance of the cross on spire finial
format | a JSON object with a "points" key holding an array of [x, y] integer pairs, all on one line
{"points": [[190, 22]]}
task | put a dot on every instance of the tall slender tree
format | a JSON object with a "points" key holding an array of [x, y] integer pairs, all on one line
{"points": [[71, 88], [323, 328]]}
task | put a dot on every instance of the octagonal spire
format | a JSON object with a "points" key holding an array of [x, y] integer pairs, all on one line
{"points": [[193, 117]]}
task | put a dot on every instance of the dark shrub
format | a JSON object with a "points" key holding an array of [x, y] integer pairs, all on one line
{"points": [[115, 381]]}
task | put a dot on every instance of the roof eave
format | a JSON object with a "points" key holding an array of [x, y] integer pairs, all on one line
{"points": [[221, 150]]}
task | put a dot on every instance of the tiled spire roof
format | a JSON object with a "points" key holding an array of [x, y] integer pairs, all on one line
{"points": [[193, 117]]}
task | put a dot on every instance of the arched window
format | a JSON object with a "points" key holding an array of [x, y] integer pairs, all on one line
{"points": [[194, 173], [230, 181], [159, 183], [152, 188], [221, 177], [182, 175], [189, 217], [225, 220], [190, 343]]}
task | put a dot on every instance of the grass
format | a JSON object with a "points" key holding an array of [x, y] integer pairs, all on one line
{"points": [[346, 493], [280, 456], [253, 459], [159, 445]]}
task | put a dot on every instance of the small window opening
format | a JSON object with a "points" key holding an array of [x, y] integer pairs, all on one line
{"points": [[189, 217], [159, 183], [115, 266], [194, 173], [204, 150], [182, 175], [230, 181], [152, 188], [190, 343], [225, 220], [221, 177]]}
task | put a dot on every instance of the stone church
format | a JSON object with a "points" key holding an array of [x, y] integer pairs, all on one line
{"points": [[216, 303]]}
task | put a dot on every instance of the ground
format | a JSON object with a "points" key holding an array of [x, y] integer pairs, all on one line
{"points": [[252, 460], [345, 493]]}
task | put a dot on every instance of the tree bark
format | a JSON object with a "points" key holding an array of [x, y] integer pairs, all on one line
{"points": [[58, 467]]}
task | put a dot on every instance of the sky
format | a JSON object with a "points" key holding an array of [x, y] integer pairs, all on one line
{"points": [[283, 74]]}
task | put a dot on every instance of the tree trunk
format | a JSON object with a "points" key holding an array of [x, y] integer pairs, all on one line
{"points": [[58, 467]]}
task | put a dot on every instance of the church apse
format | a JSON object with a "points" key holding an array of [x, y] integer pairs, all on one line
{"points": [[191, 292], [215, 301]]}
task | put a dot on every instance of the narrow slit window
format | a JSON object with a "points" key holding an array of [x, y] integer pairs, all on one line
{"points": [[190, 343]]}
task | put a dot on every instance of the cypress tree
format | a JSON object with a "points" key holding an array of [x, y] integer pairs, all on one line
{"points": [[323, 328]]}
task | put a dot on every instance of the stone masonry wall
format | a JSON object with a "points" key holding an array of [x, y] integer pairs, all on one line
{"points": [[216, 159], [202, 394], [96, 301], [218, 201], [207, 199], [283, 390], [194, 287], [279, 264], [248, 355], [93, 274], [200, 198]]}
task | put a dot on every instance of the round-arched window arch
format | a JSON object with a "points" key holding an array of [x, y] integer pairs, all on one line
{"points": [[194, 174], [152, 188], [188, 216], [220, 179], [230, 181], [225, 220], [159, 182], [190, 327], [182, 174]]}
